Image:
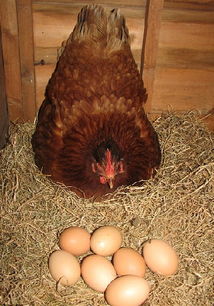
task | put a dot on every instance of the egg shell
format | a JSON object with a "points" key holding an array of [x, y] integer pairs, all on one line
{"points": [[97, 272], [160, 257], [128, 261], [127, 290], [106, 240], [75, 240], [64, 267]]}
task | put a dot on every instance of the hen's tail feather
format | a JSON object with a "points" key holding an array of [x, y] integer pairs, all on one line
{"points": [[107, 30], [91, 24], [116, 30]]}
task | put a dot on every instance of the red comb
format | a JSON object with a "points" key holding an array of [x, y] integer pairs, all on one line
{"points": [[109, 166]]}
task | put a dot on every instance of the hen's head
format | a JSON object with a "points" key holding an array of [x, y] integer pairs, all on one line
{"points": [[108, 162]]}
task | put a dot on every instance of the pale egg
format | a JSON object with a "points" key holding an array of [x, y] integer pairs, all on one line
{"points": [[64, 267], [128, 261], [127, 290], [160, 257], [97, 272], [106, 240], [75, 240]]}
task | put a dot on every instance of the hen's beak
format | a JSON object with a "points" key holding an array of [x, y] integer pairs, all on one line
{"points": [[110, 183]]}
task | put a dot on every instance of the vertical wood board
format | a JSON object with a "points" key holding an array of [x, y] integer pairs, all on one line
{"points": [[150, 47], [4, 120], [10, 46], [26, 45]]}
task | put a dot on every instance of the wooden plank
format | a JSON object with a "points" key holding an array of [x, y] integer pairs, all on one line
{"points": [[25, 26], [185, 58], [199, 5], [4, 120], [187, 35], [183, 90], [50, 9], [190, 4], [187, 16], [139, 3], [150, 47], [42, 75], [45, 55], [10, 45]]}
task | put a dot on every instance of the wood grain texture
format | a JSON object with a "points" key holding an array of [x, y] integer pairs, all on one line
{"points": [[139, 3], [187, 35], [4, 120], [10, 45], [190, 4], [185, 58], [183, 15], [185, 75], [26, 47], [183, 90], [42, 74], [150, 47]]}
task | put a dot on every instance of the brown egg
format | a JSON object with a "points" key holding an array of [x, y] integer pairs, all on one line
{"points": [[127, 290], [128, 261], [160, 257], [97, 272], [75, 240], [106, 240], [64, 267]]}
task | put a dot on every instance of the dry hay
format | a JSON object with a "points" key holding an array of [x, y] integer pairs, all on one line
{"points": [[177, 206]]}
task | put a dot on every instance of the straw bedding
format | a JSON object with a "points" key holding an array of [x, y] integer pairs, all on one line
{"points": [[177, 206]]}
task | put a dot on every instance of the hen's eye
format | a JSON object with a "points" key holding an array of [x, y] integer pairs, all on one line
{"points": [[120, 167]]}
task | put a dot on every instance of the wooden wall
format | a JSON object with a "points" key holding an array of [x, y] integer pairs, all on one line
{"points": [[4, 120], [184, 77], [177, 49], [18, 54]]}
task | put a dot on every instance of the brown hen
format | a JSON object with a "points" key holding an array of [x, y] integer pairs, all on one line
{"points": [[92, 133]]}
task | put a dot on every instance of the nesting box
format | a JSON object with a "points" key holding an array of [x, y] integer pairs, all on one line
{"points": [[172, 42]]}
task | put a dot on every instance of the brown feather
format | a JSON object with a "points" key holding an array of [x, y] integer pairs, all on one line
{"points": [[95, 94]]}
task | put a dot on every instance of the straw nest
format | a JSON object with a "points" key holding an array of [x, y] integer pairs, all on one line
{"points": [[177, 206]]}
